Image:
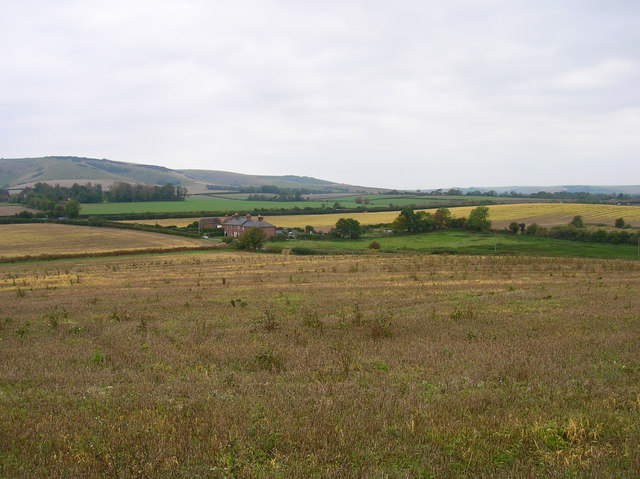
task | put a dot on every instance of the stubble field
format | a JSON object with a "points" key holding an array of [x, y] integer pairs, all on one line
{"points": [[241, 365], [48, 239]]}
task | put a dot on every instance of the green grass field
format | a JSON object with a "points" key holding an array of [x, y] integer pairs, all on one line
{"points": [[462, 242], [231, 204], [195, 203]]}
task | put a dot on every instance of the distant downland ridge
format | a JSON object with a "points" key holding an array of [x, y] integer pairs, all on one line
{"points": [[593, 189], [17, 173]]}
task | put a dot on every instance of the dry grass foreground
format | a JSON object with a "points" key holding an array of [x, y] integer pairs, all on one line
{"points": [[544, 214], [54, 239], [239, 365]]}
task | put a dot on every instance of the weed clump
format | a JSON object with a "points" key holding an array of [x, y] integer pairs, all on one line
{"points": [[267, 360], [381, 328], [463, 313], [97, 358], [311, 320], [55, 316], [269, 321], [238, 302]]}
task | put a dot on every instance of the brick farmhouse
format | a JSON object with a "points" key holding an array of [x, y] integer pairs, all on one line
{"points": [[236, 226]]}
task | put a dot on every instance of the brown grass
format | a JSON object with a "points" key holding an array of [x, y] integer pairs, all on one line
{"points": [[10, 210], [243, 365], [54, 239]]}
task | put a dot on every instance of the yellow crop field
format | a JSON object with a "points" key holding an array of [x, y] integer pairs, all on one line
{"points": [[544, 214], [292, 221], [550, 214], [54, 239]]}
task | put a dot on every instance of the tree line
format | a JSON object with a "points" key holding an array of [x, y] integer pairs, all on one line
{"points": [[44, 196], [575, 231], [282, 196], [579, 196], [409, 221]]}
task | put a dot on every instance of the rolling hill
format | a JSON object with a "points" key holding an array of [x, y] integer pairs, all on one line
{"points": [[21, 172], [18, 173]]}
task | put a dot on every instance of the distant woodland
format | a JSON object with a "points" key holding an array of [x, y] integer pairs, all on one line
{"points": [[49, 198]]}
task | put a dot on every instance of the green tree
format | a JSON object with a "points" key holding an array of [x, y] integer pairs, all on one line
{"points": [[72, 209], [514, 227], [424, 220], [253, 239], [348, 228], [411, 219], [412, 222], [532, 229], [399, 225], [479, 219], [620, 223], [441, 218], [577, 222]]}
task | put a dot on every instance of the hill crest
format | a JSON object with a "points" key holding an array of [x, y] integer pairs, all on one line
{"points": [[18, 173]]}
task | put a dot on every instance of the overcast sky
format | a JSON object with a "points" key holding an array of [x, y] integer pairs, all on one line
{"points": [[405, 94]]}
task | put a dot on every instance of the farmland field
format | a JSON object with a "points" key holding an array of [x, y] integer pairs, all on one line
{"points": [[233, 203], [464, 242], [245, 365], [545, 214], [551, 214], [9, 210], [55, 239]]}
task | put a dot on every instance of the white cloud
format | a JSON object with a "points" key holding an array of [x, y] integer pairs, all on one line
{"points": [[456, 93], [609, 73]]}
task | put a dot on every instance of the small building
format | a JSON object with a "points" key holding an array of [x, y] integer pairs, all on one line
{"points": [[236, 226], [210, 223]]}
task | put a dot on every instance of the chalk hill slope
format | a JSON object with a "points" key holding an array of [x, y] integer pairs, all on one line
{"points": [[65, 170]]}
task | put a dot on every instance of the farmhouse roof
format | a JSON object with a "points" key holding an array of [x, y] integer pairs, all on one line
{"points": [[248, 222], [256, 224], [236, 222]]}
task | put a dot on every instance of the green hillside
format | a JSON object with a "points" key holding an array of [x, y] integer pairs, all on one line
{"points": [[25, 171], [226, 178], [20, 172]]}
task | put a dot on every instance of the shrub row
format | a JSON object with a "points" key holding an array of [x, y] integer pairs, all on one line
{"points": [[580, 234]]}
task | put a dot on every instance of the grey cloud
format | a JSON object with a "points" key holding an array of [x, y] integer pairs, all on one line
{"points": [[457, 93]]}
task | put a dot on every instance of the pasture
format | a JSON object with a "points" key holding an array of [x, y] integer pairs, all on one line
{"points": [[21, 240], [238, 202], [245, 365], [465, 242]]}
